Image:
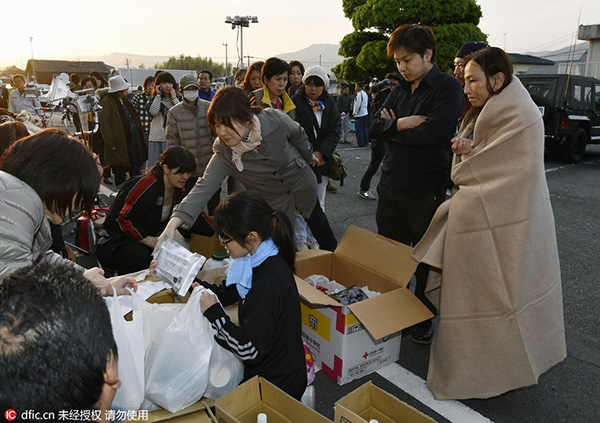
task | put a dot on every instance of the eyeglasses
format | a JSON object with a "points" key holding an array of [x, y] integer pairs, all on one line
{"points": [[224, 242]]}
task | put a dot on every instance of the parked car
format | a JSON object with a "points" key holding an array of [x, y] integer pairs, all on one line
{"points": [[570, 105]]}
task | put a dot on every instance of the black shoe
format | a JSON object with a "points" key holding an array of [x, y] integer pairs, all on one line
{"points": [[422, 336]]}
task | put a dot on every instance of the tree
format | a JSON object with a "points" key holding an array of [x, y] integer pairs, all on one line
{"points": [[454, 22], [192, 63]]}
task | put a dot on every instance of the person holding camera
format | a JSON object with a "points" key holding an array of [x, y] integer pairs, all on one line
{"points": [[164, 97]]}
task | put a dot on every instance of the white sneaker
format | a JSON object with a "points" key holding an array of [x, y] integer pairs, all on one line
{"points": [[366, 195], [301, 246], [313, 245]]}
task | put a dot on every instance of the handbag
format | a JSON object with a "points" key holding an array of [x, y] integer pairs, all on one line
{"points": [[337, 169]]}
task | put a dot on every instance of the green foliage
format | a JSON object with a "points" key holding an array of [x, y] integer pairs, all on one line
{"points": [[454, 22], [348, 71], [192, 63]]}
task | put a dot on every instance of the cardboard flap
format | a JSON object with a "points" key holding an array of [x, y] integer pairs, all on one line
{"points": [[241, 399], [314, 296], [386, 314], [377, 253]]}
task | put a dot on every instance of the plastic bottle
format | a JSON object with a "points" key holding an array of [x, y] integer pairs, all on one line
{"points": [[373, 421], [261, 418], [218, 259]]}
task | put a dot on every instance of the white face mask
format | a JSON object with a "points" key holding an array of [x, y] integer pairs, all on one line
{"points": [[190, 95]]}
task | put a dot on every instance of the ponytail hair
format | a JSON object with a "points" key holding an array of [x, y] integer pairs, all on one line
{"points": [[174, 157], [246, 211]]}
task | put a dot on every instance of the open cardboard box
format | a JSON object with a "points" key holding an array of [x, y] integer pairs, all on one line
{"points": [[257, 395], [371, 402], [195, 413], [205, 245], [349, 342]]}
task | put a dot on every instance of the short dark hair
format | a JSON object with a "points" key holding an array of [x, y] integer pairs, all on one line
{"points": [[75, 78], [55, 340], [17, 76], [164, 77], [57, 166], [11, 132], [413, 38], [394, 75], [174, 157], [89, 79], [206, 71], [246, 211], [274, 66], [98, 75], [230, 103]]}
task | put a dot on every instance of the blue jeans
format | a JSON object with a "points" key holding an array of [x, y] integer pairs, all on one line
{"points": [[362, 139]]}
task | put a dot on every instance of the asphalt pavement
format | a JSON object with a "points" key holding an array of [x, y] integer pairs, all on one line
{"points": [[566, 392]]}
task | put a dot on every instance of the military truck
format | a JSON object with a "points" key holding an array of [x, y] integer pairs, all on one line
{"points": [[570, 106]]}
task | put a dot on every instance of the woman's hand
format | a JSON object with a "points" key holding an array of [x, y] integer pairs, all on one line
{"points": [[173, 93], [153, 265], [207, 300], [461, 146], [314, 161], [169, 231], [96, 276], [320, 160]]}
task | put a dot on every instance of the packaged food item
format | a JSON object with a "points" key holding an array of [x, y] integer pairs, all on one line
{"points": [[350, 295], [177, 266]]}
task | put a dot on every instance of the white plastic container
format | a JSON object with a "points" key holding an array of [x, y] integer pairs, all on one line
{"points": [[218, 259], [261, 418]]}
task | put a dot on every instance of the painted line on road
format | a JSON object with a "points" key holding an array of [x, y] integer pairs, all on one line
{"points": [[413, 385], [571, 165]]}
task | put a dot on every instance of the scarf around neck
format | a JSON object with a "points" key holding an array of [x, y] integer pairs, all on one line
{"points": [[239, 272], [248, 143]]}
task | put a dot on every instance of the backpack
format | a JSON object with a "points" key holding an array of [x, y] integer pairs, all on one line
{"points": [[337, 169]]}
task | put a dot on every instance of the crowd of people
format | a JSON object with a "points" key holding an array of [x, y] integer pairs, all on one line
{"points": [[490, 274]]}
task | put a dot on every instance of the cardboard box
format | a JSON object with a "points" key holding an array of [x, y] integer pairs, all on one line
{"points": [[195, 413], [257, 395], [352, 341], [371, 402], [205, 245]]}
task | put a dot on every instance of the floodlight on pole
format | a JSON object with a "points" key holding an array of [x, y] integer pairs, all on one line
{"points": [[241, 22]]}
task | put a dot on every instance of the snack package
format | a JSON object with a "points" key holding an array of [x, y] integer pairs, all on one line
{"points": [[177, 266], [350, 295]]}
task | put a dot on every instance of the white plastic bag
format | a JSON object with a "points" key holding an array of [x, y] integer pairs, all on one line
{"points": [[129, 337], [226, 371], [179, 375]]}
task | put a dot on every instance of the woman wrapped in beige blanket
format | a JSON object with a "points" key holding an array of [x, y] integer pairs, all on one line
{"points": [[495, 274]]}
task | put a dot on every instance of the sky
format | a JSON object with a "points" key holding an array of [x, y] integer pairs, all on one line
{"points": [[83, 30]]}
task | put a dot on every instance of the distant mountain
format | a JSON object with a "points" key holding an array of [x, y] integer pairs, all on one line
{"points": [[119, 60], [324, 54]]}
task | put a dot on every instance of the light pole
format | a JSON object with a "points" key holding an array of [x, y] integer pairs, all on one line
{"points": [[32, 64], [226, 70], [241, 22]]}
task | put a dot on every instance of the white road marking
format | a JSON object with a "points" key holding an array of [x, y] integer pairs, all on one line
{"points": [[413, 385]]}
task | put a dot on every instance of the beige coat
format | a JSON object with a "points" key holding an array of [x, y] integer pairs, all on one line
{"points": [[188, 127], [496, 275]]}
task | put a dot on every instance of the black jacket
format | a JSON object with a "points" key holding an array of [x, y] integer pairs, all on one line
{"points": [[326, 137], [137, 209], [417, 161], [269, 338]]}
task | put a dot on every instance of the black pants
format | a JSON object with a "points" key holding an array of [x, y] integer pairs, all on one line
{"points": [[377, 153], [407, 222], [121, 173], [319, 226]]}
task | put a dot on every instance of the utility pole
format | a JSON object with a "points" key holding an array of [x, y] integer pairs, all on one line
{"points": [[319, 60], [226, 67], [505, 34]]}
